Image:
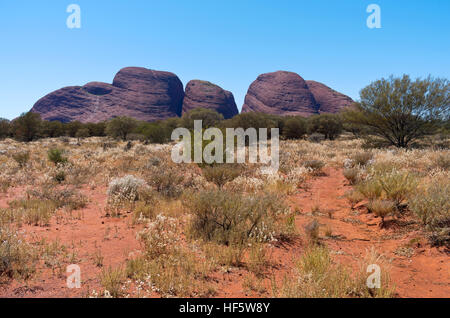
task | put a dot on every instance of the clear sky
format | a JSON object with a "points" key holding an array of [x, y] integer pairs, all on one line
{"points": [[227, 42]]}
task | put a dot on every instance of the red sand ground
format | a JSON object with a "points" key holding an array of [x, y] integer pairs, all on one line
{"points": [[424, 274]]}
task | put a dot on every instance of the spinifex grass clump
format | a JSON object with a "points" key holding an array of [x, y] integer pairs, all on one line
{"points": [[432, 206], [381, 208], [55, 155], [352, 175]]}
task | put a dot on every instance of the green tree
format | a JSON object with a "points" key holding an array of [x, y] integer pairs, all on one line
{"points": [[5, 128], [400, 110], [294, 127], [82, 133], [209, 117], [27, 127], [52, 129], [330, 125], [120, 127], [72, 128]]}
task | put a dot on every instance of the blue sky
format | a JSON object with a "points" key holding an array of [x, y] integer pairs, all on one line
{"points": [[226, 42]]}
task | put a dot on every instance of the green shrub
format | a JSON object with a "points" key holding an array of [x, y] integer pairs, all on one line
{"points": [[222, 173], [330, 125], [397, 185], [55, 155], [230, 218], [432, 206], [294, 128]]}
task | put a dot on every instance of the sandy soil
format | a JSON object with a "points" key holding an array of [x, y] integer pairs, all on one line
{"points": [[421, 272]]}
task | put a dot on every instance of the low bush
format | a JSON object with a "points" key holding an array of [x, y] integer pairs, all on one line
{"points": [[222, 173], [230, 218], [362, 158], [381, 208], [55, 155], [352, 175], [124, 190], [432, 206]]}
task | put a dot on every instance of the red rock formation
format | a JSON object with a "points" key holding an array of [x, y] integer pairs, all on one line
{"points": [[328, 100], [208, 95], [280, 93], [136, 92]]}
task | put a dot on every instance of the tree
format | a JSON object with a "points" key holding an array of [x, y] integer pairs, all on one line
{"points": [[72, 128], [82, 133], [5, 128], [294, 127], [52, 129], [27, 127], [209, 117], [120, 127], [329, 125], [400, 110]]}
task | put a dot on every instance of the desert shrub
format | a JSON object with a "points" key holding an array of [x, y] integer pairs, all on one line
{"points": [[381, 208], [166, 179], [294, 128], [209, 118], [55, 155], [352, 175], [222, 173], [397, 185], [124, 190], [82, 133], [60, 176], [5, 128], [362, 158], [17, 258], [164, 266], [330, 125], [432, 206], [111, 279], [27, 127], [230, 218], [21, 158], [391, 185], [120, 127], [160, 236]]}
